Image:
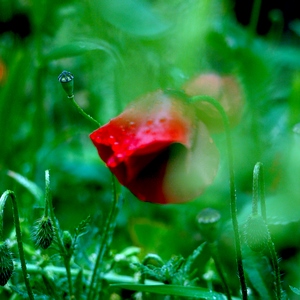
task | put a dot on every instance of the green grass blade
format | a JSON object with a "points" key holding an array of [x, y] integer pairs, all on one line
{"points": [[33, 188], [174, 290]]}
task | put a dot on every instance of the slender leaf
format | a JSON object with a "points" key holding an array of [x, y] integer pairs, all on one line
{"points": [[174, 290], [33, 188]]}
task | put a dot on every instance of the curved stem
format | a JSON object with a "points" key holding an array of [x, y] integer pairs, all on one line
{"points": [[233, 198], [83, 113], [104, 240], [3, 199]]}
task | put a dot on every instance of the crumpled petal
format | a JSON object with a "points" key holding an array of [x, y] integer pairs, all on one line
{"points": [[158, 150]]}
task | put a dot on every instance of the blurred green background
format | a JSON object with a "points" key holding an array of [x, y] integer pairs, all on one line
{"points": [[119, 50]]}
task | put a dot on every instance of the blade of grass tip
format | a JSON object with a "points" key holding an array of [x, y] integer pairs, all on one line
{"points": [[32, 187]]}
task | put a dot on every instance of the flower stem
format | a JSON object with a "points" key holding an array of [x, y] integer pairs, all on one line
{"points": [[254, 18], [233, 198], [3, 199], [83, 113], [259, 190], [59, 241], [104, 242]]}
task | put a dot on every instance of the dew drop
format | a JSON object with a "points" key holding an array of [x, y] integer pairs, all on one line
{"points": [[111, 138], [116, 146], [113, 162]]}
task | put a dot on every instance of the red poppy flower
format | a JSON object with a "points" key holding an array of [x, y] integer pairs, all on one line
{"points": [[224, 89], [158, 149]]}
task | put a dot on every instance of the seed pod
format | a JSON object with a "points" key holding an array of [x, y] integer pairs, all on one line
{"points": [[43, 233], [256, 233], [208, 220], [6, 264], [67, 82]]}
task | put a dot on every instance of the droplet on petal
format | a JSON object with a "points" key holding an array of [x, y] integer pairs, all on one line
{"points": [[132, 125]]}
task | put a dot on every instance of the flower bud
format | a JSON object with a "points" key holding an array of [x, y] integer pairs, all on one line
{"points": [[208, 220], [6, 264], [43, 233], [256, 233], [67, 82], [67, 240]]}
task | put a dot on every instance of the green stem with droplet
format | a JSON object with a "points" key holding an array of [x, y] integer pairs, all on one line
{"points": [[233, 198], [3, 199], [82, 112]]}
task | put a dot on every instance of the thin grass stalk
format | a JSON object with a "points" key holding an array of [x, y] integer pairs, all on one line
{"points": [[233, 198]]}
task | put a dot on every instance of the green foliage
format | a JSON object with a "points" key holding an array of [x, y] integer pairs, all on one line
{"points": [[118, 50]]}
